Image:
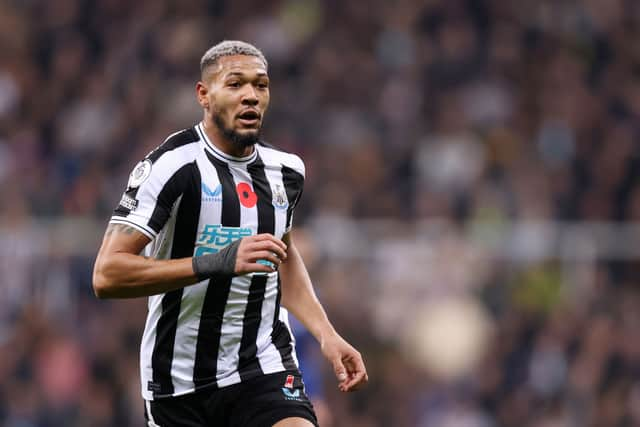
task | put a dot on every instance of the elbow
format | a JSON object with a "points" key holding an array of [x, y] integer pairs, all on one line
{"points": [[102, 285]]}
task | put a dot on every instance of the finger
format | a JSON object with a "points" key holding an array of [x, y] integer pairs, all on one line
{"points": [[339, 370], [357, 372], [265, 255], [254, 252], [355, 380], [263, 236], [271, 246], [270, 237], [355, 364], [267, 245], [358, 380]]}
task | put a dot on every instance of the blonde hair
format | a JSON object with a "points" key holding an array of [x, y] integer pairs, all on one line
{"points": [[228, 48]]}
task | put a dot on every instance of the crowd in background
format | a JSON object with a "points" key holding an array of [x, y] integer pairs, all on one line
{"points": [[468, 116]]}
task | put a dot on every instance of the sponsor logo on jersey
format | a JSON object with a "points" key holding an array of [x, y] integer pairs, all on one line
{"points": [[280, 198], [215, 237], [140, 174], [291, 394], [209, 195]]}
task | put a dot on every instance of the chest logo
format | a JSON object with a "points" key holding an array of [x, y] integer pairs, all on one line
{"points": [[280, 200], [209, 195]]}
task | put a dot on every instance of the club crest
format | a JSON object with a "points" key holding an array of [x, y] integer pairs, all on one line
{"points": [[280, 200]]}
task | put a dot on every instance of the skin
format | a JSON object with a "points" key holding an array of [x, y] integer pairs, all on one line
{"points": [[237, 83], [293, 422], [300, 299], [120, 272], [234, 85]]}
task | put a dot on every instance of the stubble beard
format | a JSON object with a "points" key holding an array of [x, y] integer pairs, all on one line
{"points": [[243, 140]]}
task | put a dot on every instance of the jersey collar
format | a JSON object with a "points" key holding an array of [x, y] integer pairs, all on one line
{"points": [[219, 153]]}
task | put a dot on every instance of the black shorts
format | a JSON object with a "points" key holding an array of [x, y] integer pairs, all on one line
{"points": [[258, 402]]}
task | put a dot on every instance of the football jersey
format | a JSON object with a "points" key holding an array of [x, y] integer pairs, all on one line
{"points": [[190, 199]]}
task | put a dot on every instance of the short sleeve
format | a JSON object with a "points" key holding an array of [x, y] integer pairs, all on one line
{"points": [[152, 189]]}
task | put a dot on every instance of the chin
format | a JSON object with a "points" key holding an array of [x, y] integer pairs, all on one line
{"points": [[245, 138]]}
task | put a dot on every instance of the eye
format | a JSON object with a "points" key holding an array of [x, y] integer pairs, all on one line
{"points": [[263, 85], [234, 84]]}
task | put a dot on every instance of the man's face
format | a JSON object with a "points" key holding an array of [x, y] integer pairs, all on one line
{"points": [[235, 94]]}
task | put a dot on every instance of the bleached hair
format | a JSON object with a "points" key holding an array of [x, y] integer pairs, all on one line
{"points": [[228, 48]]}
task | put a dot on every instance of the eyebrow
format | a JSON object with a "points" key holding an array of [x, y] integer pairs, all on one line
{"points": [[238, 73]]}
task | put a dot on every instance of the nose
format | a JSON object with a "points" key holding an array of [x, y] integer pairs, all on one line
{"points": [[249, 96]]}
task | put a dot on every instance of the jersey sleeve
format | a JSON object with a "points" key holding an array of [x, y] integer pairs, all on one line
{"points": [[151, 192]]}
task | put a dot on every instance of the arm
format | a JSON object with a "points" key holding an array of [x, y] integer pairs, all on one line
{"points": [[120, 272], [300, 299]]}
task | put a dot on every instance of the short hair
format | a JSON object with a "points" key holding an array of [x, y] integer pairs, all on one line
{"points": [[229, 48]]}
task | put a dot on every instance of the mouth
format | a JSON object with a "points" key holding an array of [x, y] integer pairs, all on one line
{"points": [[249, 118]]}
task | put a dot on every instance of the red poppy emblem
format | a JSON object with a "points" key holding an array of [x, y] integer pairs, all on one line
{"points": [[246, 195]]}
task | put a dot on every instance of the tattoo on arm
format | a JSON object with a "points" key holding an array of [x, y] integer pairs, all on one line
{"points": [[119, 228]]}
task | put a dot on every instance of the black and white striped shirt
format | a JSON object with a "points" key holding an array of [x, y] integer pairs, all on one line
{"points": [[190, 198]]}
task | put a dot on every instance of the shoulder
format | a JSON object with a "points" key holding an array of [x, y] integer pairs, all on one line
{"points": [[184, 144], [176, 153], [275, 156]]}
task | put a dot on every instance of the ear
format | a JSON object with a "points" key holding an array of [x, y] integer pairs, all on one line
{"points": [[202, 92]]}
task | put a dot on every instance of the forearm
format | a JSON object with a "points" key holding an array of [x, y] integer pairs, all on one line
{"points": [[124, 275], [120, 273], [300, 299]]}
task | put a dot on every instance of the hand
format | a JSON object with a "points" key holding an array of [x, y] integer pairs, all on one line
{"points": [[347, 363], [259, 247]]}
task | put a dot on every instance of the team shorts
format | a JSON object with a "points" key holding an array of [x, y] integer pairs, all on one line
{"points": [[257, 402]]}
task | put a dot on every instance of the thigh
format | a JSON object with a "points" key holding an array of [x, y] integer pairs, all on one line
{"points": [[294, 422], [266, 400], [182, 411]]}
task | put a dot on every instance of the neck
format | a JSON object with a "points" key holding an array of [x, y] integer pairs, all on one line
{"points": [[223, 143]]}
